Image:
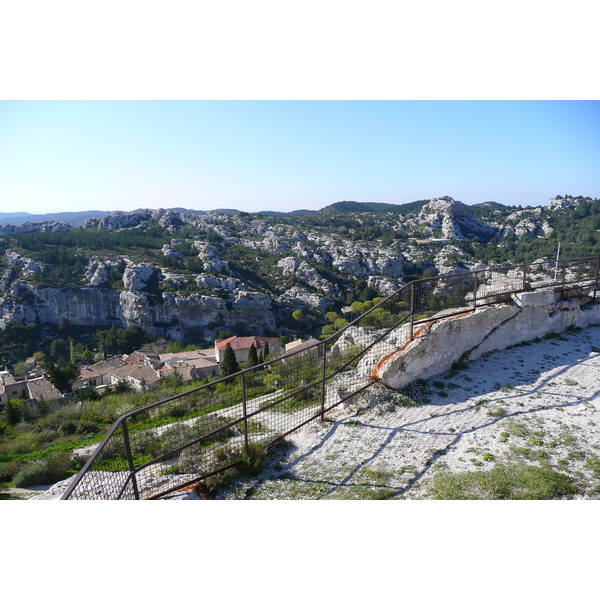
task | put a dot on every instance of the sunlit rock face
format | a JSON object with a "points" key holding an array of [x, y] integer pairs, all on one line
{"points": [[445, 215], [177, 315], [437, 345]]}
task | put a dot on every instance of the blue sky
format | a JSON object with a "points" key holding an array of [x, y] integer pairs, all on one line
{"points": [[286, 155]]}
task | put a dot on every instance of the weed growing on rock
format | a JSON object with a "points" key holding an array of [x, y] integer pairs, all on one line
{"points": [[503, 482]]}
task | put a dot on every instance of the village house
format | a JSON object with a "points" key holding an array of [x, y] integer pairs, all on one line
{"points": [[98, 374], [209, 353], [38, 388], [142, 358], [192, 368], [139, 377], [300, 344], [241, 346]]}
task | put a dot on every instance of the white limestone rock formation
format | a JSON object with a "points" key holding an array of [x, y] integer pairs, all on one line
{"points": [[384, 286], [220, 283], [445, 213], [439, 344], [210, 257], [351, 266], [559, 202], [288, 265], [299, 298], [136, 277], [31, 227], [28, 266]]}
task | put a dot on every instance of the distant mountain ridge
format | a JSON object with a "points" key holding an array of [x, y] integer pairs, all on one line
{"points": [[77, 219], [376, 207]]}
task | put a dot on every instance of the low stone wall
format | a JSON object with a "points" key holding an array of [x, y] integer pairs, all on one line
{"points": [[470, 334]]}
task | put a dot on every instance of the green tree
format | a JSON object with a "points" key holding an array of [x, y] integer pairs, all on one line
{"points": [[230, 364], [59, 349], [266, 352], [63, 377], [252, 356], [21, 369], [172, 380], [88, 356], [65, 326], [39, 357], [175, 347], [122, 387], [339, 323], [331, 316], [12, 412]]}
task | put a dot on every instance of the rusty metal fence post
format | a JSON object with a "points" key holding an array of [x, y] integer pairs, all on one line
{"points": [[136, 492], [412, 308], [245, 415], [323, 385]]}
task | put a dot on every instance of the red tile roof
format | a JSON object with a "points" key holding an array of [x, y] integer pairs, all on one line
{"points": [[244, 343]]}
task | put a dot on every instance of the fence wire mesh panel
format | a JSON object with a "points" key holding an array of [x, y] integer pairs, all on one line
{"points": [[185, 438]]}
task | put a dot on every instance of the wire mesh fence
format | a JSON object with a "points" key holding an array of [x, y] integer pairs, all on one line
{"points": [[173, 443]]}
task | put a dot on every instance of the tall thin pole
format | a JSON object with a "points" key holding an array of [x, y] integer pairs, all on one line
{"points": [[557, 256]]}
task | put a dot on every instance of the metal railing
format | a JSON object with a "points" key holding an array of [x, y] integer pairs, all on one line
{"points": [[157, 449]]}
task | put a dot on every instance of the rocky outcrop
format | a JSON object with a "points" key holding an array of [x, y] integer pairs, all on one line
{"points": [[178, 316], [384, 286], [220, 283], [31, 227], [136, 277], [210, 257], [567, 202], [467, 336], [446, 215], [27, 265], [299, 298]]}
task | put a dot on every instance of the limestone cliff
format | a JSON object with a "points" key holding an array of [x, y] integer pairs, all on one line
{"points": [[176, 316]]}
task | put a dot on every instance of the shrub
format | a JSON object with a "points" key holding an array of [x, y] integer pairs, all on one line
{"points": [[8, 470], [31, 473], [86, 426], [42, 472]]}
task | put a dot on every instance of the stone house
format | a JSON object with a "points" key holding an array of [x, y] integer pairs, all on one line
{"points": [[38, 388], [98, 374], [137, 376], [192, 368], [241, 346]]}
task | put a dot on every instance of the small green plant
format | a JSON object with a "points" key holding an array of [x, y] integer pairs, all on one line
{"points": [[376, 476], [551, 335], [496, 413], [594, 464], [488, 457], [504, 482]]}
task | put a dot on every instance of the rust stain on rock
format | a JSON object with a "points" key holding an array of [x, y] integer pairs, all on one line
{"points": [[417, 333]]}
